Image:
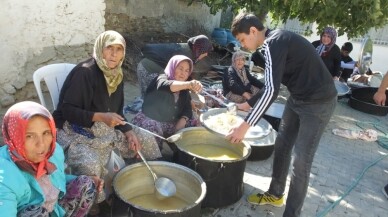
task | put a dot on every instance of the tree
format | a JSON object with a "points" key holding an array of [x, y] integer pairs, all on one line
{"points": [[355, 17]]}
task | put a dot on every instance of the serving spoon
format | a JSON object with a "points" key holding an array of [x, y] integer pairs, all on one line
{"points": [[230, 107], [170, 139], [165, 187]]}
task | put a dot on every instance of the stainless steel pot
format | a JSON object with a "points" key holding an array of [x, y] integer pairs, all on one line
{"points": [[135, 180]]}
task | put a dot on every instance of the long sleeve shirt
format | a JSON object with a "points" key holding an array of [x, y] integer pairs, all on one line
{"points": [[159, 102], [84, 93], [232, 82], [332, 59], [290, 59]]}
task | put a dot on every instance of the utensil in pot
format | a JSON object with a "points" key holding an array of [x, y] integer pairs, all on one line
{"points": [[165, 187], [170, 139], [230, 107]]}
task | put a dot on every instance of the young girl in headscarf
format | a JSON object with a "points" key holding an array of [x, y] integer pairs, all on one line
{"points": [[90, 111], [329, 51], [238, 84], [167, 102], [33, 181]]}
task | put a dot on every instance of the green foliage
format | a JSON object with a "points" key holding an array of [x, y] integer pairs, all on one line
{"points": [[355, 17]]}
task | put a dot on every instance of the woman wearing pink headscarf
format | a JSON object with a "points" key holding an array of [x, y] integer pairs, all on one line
{"points": [[32, 179], [167, 102], [329, 51]]}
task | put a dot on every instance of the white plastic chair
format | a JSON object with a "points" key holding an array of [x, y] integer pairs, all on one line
{"points": [[54, 76]]}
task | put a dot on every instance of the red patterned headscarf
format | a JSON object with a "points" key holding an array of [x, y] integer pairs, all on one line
{"points": [[14, 132]]}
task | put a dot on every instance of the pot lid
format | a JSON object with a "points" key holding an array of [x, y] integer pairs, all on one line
{"points": [[365, 56]]}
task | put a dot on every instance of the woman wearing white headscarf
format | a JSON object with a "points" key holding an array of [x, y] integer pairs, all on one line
{"points": [[329, 51], [238, 84], [90, 111]]}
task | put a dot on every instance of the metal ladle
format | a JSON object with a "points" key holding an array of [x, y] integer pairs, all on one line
{"points": [[170, 139], [230, 107], [165, 187]]}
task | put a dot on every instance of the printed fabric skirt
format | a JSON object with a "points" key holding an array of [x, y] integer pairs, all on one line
{"points": [[89, 156], [164, 129], [239, 98], [79, 197]]}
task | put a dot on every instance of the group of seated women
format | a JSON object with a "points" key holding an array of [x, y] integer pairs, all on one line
{"points": [[89, 123]]}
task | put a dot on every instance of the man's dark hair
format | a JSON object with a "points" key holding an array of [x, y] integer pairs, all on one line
{"points": [[347, 47], [243, 22]]}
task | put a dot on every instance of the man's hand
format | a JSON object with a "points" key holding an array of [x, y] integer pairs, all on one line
{"points": [[237, 134], [380, 98], [243, 106]]}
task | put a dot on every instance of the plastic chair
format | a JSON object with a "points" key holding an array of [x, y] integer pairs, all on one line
{"points": [[54, 76]]}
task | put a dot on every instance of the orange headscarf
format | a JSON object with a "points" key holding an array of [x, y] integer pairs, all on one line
{"points": [[14, 133]]}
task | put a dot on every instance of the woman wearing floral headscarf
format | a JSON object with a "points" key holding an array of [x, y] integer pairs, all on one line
{"points": [[329, 51], [167, 102], [33, 181], [90, 111], [156, 57], [238, 84]]}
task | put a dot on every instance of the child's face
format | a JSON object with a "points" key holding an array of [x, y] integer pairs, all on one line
{"points": [[252, 40]]}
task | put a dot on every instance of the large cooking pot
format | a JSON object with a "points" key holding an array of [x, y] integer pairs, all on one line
{"points": [[135, 192], [362, 100], [223, 176]]}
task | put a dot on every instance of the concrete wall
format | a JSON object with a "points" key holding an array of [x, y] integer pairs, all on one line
{"points": [[39, 32]]}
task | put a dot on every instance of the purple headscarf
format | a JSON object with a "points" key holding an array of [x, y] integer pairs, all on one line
{"points": [[173, 63], [321, 49]]}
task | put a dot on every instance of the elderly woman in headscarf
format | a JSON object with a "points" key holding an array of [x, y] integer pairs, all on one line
{"points": [[156, 57], [239, 85], [167, 101], [90, 111], [329, 51], [33, 182]]}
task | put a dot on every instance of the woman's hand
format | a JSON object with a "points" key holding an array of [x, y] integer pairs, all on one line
{"points": [[98, 182], [109, 118], [180, 124], [132, 141], [195, 86]]}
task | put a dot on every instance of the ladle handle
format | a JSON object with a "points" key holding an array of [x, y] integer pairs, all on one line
{"points": [[215, 98], [147, 131], [148, 166]]}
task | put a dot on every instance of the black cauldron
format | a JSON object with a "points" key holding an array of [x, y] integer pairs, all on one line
{"points": [[362, 100]]}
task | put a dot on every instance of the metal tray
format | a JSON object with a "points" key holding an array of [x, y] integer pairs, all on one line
{"points": [[261, 129]]}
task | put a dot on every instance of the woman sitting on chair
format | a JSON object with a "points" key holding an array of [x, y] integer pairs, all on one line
{"points": [[90, 111], [238, 84]]}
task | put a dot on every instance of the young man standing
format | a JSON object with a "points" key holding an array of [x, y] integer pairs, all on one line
{"points": [[291, 60]]}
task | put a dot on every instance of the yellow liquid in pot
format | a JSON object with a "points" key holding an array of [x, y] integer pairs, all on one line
{"points": [[212, 152], [150, 201]]}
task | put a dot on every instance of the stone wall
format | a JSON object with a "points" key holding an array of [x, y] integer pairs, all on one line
{"points": [[150, 17]]}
